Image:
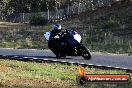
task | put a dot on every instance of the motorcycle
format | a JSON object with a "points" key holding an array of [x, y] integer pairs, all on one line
{"points": [[67, 44]]}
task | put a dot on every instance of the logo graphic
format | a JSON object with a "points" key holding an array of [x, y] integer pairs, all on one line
{"points": [[83, 78]]}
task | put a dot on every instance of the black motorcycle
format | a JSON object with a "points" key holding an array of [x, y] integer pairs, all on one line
{"points": [[67, 44]]}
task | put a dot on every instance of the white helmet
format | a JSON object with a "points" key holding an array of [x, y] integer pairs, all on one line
{"points": [[57, 27]]}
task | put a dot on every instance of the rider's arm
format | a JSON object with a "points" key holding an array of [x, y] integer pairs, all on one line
{"points": [[66, 33]]}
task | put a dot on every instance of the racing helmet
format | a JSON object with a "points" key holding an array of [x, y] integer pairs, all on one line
{"points": [[57, 27]]}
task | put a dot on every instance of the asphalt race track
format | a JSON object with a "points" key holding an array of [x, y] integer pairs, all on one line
{"points": [[99, 59]]}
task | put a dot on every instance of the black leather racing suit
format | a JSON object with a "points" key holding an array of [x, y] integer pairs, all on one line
{"points": [[55, 42]]}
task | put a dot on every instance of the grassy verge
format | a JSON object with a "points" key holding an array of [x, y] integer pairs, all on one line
{"points": [[14, 74], [23, 36]]}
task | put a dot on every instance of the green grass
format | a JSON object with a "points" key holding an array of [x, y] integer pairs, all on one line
{"points": [[38, 71], [16, 74], [24, 37]]}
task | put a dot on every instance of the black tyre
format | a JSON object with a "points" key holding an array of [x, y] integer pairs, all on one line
{"points": [[58, 55], [85, 52]]}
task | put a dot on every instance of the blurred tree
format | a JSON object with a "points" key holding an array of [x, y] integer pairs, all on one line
{"points": [[17, 6], [70, 7]]}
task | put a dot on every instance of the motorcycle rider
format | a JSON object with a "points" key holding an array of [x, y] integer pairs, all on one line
{"points": [[56, 31], [55, 38]]}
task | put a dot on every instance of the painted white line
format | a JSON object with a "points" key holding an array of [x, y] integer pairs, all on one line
{"points": [[124, 68], [45, 59], [33, 49], [63, 61], [34, 58], [25, 57], [116, 67], [90, 64], [99, 65], [15, 56], [54, 60], [82, 63], [108, 66]]}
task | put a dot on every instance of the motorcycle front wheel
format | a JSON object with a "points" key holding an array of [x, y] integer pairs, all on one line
{"points": [[85, 53]]}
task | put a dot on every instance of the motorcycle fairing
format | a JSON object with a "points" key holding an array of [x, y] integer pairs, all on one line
{"points": [[47, 35]]}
